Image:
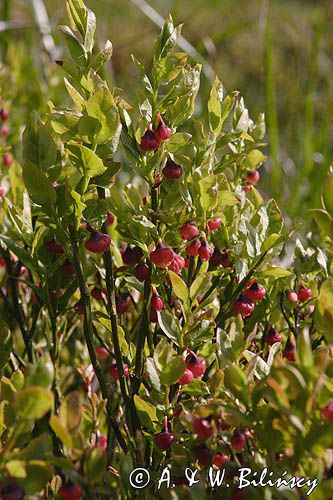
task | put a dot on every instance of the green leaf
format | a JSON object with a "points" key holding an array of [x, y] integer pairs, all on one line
{"points": [[261, 369], [254, 158], [173, 371], [90, 28], [40, 374], [95, 212], [38, 185], [319, 438], [38, 474], [85, 160], [101, 120], [61, 431], [324, 310], [208, 192], [146, 412], [178, 141], [196, 388], [102, 57], [21, 253], [39, 147], [16, 468], [276, 272], [153, 374], [95, 465], [71, 411], [323, 221], [33, 402], [79, 206], [168, 325], [166, 41], [37, 448], [200, 285], [232, 341], [304, 349], [162, 354], [78, 101], [272, 351], [76, 49], [272, 241], [215, 108], [27, 229], [226, 199], [16, 182], [235, 381], [179, 286], [77, 13], [8, 389]]}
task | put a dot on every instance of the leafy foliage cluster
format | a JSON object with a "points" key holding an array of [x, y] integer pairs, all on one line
{"points": [[64, 414]]}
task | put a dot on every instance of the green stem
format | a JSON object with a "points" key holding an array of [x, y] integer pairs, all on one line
{"points": [[223, 315], [142, 336], [16, 307], [111, 308], [190, 271], [283, 309], [88, 334]]}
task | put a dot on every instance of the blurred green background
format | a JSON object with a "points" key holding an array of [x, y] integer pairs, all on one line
{"points": [[277, 53]]}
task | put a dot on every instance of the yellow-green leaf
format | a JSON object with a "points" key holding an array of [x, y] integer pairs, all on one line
{"points": [[33, 402]]}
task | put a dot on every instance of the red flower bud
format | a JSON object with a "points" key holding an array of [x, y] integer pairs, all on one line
{"points": [[195, 364], [243, 306], [54, 248], [177, 264], [110, 218], [171, 170], [202, 428], [304, 293], [255, 292], [162, 256], [150, 141], [188, 231], [193, 248], [141, 272], [7, 160], [272, 336], [114, 371], [327, 411], [253, 176], [102, 353], [213, 225], [4, 114], [186, 378], [98, 242], [163, 133], [238, 441]]}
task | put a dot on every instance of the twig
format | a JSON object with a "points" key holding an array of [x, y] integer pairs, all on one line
{"points": [[220, 317], [109, 280], [88, 334], [16, 306], [142, 336], [283, 309]]}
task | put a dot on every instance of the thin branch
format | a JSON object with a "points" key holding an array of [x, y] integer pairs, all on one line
{"points": [[284, 312], [88, 334], [109, 280], [18, 313]]}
